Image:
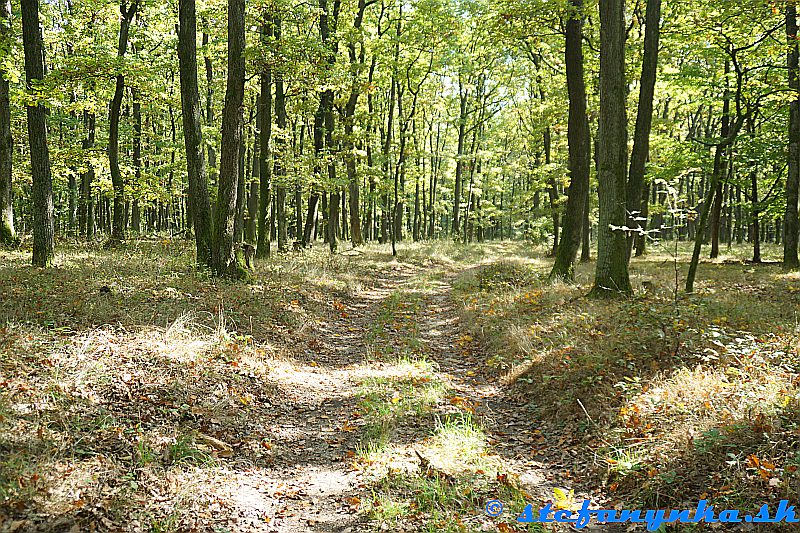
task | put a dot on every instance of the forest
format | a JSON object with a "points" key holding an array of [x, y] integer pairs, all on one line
{"points": [[380, 265]]}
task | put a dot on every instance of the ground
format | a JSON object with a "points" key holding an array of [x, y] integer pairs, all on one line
{"points": [[360, 392]]}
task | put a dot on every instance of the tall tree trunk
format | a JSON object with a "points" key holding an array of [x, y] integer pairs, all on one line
{"points": [[356, 65], [644, 119], [118, 225], [241, 186], [579, 140], [791, 223], [586, 231], [8, 235], [137, 157], [225, 259], [463, 95], [720, 172], [43, 228], [552, 190], [641, 238], [198, 200], [280, 155], [265, 135], [710, 198], [86, 201], [611, 274], [755, 236], [251, 228], [298, 193], [209, 68]]}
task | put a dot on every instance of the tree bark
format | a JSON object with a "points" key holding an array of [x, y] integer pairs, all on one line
{"points": [[579, 141], [265, 135], [86, 200], [281, 155], [118, 183], [611, 273], [357, 61], [43, 228], [8, 235], [644, 120], [137, 158], [209, 68], [791, 223], [225, 259], [199, 202], [462, 134]]}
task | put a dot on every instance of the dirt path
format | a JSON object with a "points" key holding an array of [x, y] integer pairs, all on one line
{"points": [[313, 483]]}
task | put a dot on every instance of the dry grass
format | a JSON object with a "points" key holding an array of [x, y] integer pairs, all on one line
{"points": [[687, 398], [135, 389]]}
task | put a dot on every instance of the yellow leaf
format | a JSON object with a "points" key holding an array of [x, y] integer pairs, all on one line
{"points": [[563, 499]]}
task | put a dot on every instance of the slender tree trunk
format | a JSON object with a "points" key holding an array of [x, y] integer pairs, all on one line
{"points": [[137, 157], [198, 197], [87, 198], [644, 120], [241, 185], [8, 235], [462, 134], [43, 227], [756, 227], [611, 274], [552, 190], [641, 239], [280, 155], [118, 225], [209, 68], [586, 232], [224, 256], [357, 62], [579, 140], [791, 223], [720, 171], [264, 248], [298, 193]]}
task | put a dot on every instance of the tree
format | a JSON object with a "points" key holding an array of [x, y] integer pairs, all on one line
{"points": [[8, 235], [118, 225], [43, 230], [791, 223], [579, 147], [264, 135], [225, 259], [644, 120], [192, 131], [611, 273]]}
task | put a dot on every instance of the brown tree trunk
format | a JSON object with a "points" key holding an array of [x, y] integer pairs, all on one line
{"points": [[462, 136], [8, 235], [209, 68], [791, 223], [644, 120], [611, 273], [118, 183], [198, 197], [264, 247], [43, 228], [224, 256], [137, 158], [579, 149], [86, 199], [280, 155]]}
